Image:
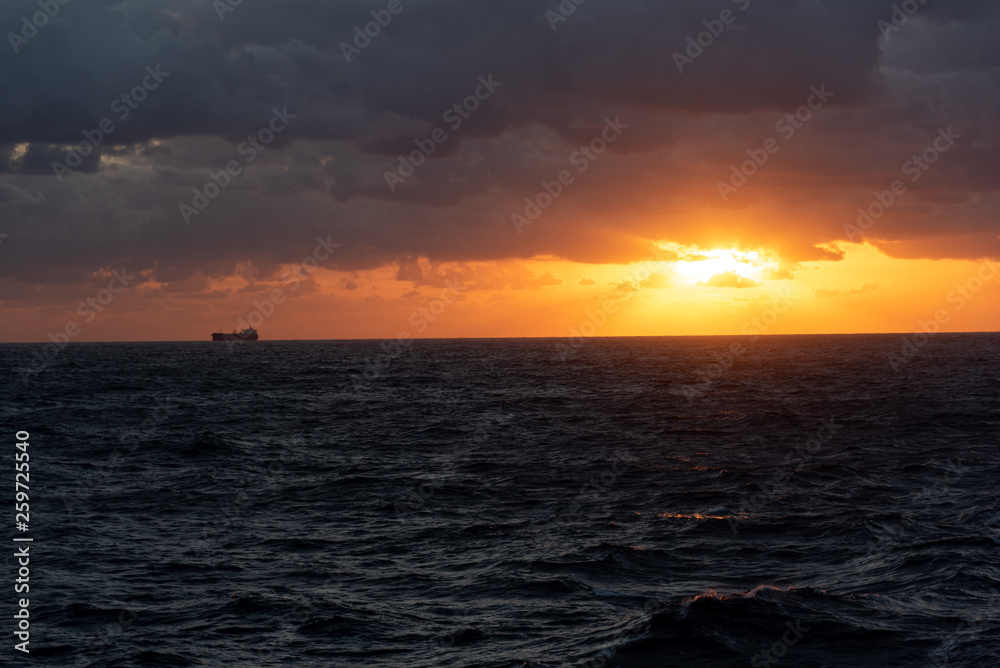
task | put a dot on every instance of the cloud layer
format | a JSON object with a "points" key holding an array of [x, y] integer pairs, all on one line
{"points": [[535, 137]]}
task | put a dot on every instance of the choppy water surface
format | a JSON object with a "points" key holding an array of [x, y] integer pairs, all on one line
{"points": [[486, 503]]}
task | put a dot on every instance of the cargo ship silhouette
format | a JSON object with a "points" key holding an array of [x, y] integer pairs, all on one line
{"points": [[248, 334]]}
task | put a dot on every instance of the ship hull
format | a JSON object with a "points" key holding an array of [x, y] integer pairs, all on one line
{"points": [[234, 337]]}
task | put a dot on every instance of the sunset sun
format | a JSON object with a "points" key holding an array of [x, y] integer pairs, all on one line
{"points": [[695, 266]]}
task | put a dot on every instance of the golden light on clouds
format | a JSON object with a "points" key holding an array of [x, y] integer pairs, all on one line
{"points": [[677, 290]]}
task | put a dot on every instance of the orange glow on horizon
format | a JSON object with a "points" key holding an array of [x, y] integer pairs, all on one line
{"points": [[682, 290]]}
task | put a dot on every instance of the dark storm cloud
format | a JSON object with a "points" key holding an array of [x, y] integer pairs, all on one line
{"points": [[325, 174], [224, 75]]}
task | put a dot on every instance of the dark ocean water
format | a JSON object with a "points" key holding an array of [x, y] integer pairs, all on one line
{"points": [[486, 503]]}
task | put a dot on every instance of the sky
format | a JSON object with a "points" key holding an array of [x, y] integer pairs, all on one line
{"points": [[412, 168]]}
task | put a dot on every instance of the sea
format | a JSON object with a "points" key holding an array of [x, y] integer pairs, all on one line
{"points": [[799, 501]]}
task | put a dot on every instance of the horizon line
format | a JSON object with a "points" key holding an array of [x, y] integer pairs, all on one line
{"points": [[516, 338]]}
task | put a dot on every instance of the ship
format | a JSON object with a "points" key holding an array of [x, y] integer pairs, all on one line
{"points": [[248, 334]]}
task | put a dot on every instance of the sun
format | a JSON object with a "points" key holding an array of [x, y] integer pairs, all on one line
{"points": [[699, 266]]}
